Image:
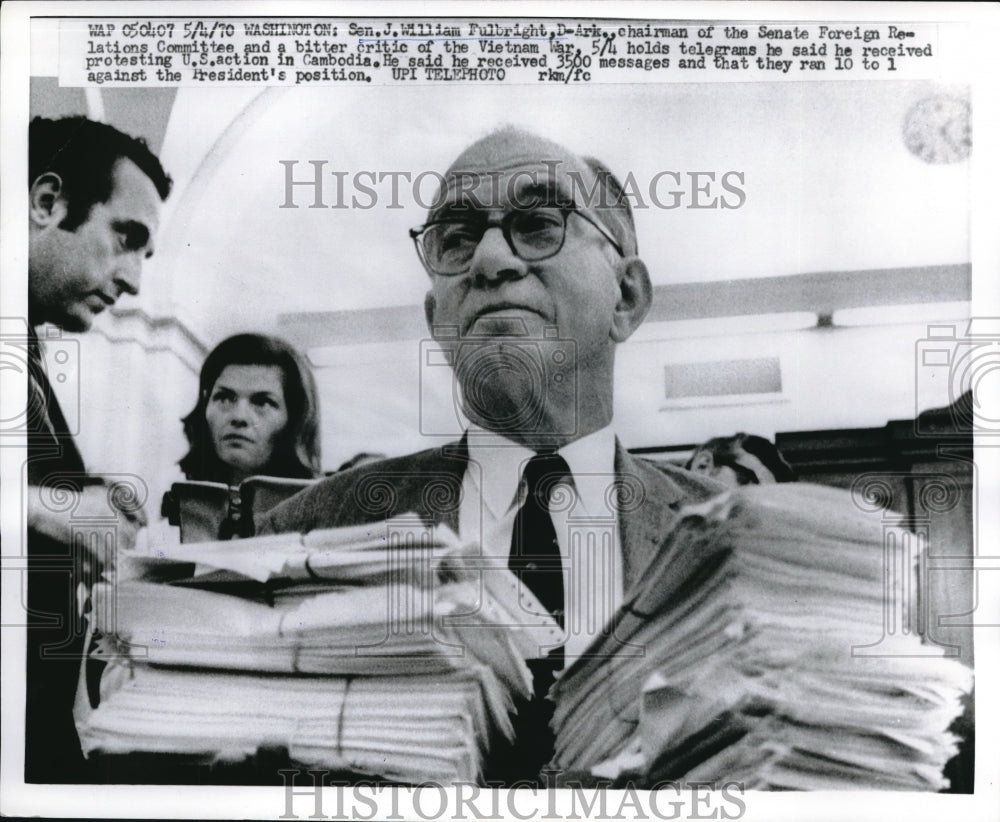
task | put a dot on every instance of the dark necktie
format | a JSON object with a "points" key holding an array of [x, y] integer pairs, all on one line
{"points": [[534, 548], [38, 388], [535, 559]]}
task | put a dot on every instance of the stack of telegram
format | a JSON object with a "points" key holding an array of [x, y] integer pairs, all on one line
{"points": [[766, 644], [391, 660]]}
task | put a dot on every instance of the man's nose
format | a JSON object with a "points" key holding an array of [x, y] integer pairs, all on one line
{"points": [[128, 274], [494, 262]]}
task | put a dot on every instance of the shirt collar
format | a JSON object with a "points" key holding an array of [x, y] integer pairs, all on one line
{"points": [[591, 460], [497, 471], [500, 461]]}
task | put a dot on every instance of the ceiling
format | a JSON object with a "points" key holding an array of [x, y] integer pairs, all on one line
{"points": [[828, 182], [838, 214]]}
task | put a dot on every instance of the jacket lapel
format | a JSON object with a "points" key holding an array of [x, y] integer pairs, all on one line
{"points": [[436, 484], [648, 499], [647, 507]]}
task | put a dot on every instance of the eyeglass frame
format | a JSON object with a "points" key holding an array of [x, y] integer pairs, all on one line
{"points": [[504, 224]]}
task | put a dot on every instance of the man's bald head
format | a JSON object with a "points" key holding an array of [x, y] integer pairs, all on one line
{"points": [[531, 251]]}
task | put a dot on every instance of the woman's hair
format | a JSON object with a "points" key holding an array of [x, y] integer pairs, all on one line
{"points": [[297, 450]]}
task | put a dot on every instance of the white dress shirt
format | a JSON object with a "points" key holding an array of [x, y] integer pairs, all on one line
{"points": [[584, 514]]}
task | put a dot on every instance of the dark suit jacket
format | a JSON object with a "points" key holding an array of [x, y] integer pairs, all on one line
{"points": [[54, 635], [429, 483]]}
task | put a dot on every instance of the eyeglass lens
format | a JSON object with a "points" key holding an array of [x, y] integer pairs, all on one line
{"points": [[532, 234]]}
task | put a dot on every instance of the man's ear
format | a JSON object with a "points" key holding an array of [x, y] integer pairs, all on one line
{"points": [[429, 305], [46, 203], [444, 334], [635, 296]]}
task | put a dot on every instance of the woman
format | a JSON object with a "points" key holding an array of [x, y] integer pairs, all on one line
{"points": [[257, 413]]}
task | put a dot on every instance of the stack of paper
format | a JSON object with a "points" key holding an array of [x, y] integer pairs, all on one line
{"points": [[767, 644], [355, 652]]}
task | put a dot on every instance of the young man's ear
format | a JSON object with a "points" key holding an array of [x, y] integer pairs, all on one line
{"points": [[46, 203], [635, 296]]}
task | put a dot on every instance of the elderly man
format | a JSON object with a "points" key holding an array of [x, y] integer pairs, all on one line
{"points": [[93, 208], [534, 281]]}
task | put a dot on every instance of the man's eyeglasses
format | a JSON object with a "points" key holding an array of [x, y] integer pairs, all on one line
{"points": [[446, 246]]}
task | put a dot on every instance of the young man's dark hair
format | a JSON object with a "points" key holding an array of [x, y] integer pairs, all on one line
{"points": [[730, 452], [82, 152], [94, 200]]}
